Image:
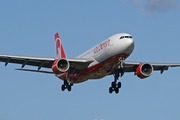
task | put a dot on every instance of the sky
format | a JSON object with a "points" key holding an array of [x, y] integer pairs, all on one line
{"points": [[28, 28]]}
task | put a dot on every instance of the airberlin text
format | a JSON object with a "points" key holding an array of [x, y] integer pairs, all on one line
{"points": [[102, 46]]}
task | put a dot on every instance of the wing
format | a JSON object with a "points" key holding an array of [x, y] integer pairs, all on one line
{"points": [[131, 66], [42, 62]]}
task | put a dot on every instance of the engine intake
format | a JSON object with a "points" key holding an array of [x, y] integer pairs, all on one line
{"points": [[60, 66], [144, 70]]}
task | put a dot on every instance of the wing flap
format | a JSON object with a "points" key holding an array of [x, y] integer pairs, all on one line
{"points": [[80, 63], [24, 60], [157, 66], [129, 63], [39, 71], [130, 66], [76, 63]]}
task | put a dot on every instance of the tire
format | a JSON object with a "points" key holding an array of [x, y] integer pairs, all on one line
{"points": [[110, 89], [116, 90], [69, 88], [113, 84], [63, 87], [119, 84]]}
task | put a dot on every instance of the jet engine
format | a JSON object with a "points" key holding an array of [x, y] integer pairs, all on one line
{"points": [[144, 70], [60, 66]]}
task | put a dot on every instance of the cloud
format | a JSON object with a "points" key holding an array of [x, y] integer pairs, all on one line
{"points": [[160, 5], [157, 5]]}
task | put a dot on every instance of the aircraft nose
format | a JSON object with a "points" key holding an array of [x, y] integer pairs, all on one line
{"points": [[130, 42], [129, 45]]}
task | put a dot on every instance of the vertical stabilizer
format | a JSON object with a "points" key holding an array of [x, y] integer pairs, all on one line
{"points": [[60, 53]]}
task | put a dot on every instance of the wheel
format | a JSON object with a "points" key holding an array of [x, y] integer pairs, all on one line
{"points": [[119, 84], [113, 84], [116, 90], [63, 87], [110, 89], [69, 88]]}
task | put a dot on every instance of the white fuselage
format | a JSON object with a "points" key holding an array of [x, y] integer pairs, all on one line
{"points": [[110, 47]]}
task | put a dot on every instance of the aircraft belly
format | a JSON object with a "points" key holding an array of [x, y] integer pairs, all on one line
{"points": [[95, 74]]}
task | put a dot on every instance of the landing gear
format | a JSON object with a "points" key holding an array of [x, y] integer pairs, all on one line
{"points": [[115, 87], [66, 85], [69, 88], [110, 89], [116, 90], [119, 85], [63, 87], [117, 73]]}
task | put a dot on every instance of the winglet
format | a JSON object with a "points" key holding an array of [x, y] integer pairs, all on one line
{"points": [[60, 53]]}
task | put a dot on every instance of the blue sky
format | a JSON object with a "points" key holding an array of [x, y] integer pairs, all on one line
{"points": [[28, 27]]}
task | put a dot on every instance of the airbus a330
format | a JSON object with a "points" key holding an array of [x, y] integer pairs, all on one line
{"points": [[106, 58]]}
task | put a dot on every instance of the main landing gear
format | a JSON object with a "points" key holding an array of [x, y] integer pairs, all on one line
{"points": [[114, 85], [66, 85]]}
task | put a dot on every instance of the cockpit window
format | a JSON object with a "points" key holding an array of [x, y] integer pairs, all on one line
{"points": [[125, 37], [121, 37]]}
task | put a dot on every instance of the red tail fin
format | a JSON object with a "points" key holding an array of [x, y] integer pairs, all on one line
{"points": [[59, 47]]}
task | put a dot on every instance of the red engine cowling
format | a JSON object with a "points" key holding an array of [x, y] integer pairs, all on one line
{"points": [[60, 66], [144, 70]]}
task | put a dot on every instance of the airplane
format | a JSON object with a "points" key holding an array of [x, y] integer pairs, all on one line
{"points": [[106, 58]]}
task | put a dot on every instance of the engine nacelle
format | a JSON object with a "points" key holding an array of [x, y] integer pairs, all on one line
{"points": [[60, 66], [144, 70]]}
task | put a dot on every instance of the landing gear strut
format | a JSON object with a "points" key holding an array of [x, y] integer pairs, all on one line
{"points": [[66, 85], [114, 85]]}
